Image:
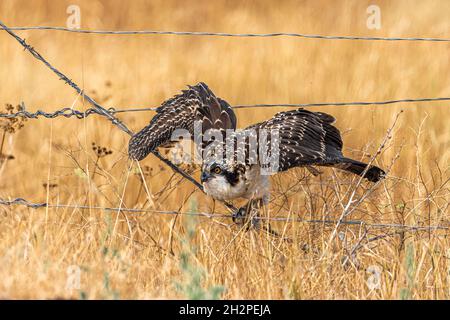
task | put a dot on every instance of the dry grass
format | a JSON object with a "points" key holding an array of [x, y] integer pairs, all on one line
{"points": [[148, 255]]}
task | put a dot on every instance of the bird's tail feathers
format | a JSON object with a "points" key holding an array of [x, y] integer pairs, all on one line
{"points": [[373, 174]]}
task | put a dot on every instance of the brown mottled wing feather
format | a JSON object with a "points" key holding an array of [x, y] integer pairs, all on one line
{"points": [[196, 103], [308, 138]]}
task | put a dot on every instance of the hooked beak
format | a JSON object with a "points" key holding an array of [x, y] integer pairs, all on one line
{"points": [[205, 176]]}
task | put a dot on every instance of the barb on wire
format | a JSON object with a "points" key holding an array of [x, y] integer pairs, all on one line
{"points": [[223, 34], [26, 203], [69, 112]]}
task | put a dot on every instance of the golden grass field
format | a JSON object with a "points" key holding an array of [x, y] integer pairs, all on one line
{"points": [[154, 256]]}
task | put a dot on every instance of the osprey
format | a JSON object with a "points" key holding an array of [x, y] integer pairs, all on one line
{"points": [[302, 139]]}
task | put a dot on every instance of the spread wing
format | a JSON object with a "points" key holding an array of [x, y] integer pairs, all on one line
{"points": [[303, 138], [180, 112]]}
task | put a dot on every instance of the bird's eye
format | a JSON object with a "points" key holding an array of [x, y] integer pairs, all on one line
{"points": [[217, 170]]}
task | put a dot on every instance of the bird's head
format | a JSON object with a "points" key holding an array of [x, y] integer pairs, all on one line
{"points": [[222, 180]]}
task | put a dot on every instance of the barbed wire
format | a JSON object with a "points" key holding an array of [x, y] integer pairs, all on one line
{"points": [[26, 203], [337, 104], [223, 34], [70, 112]]}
